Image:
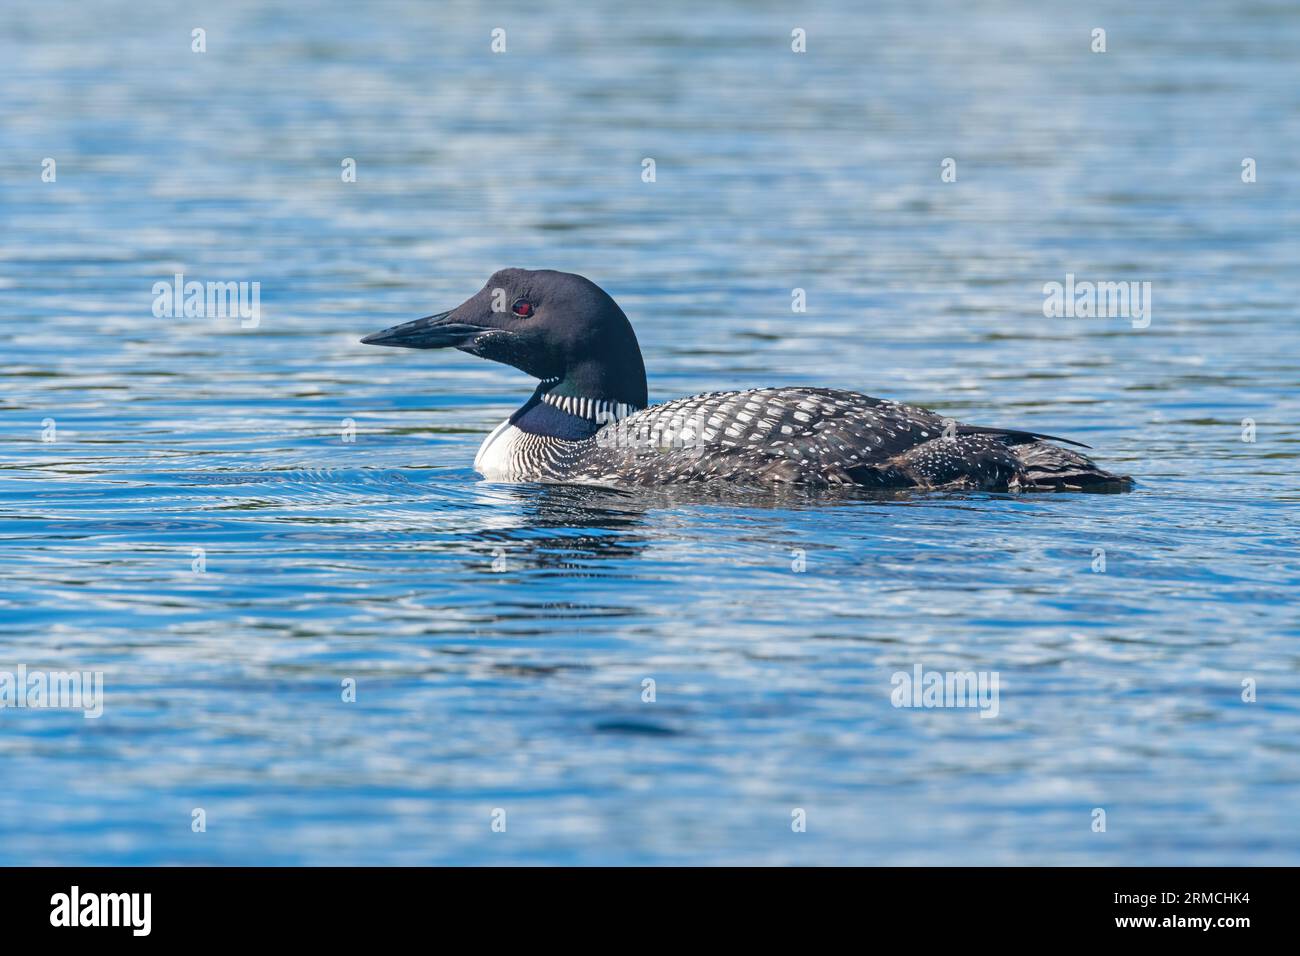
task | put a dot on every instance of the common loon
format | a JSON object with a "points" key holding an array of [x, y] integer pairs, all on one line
{"points": [[587, 422]]}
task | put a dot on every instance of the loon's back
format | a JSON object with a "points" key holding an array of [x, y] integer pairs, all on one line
{"points": [[807, 436]]}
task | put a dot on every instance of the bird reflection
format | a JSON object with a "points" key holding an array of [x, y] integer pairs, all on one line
{"points": [[565, 527], [570, 527]]}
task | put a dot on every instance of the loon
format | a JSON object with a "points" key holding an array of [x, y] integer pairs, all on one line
{"points": [[589, 421]]}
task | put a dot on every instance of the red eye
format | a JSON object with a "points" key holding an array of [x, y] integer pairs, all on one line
{"points": [[523, 308]]}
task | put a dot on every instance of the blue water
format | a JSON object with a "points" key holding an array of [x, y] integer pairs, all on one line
{"points": [[499, 636]]}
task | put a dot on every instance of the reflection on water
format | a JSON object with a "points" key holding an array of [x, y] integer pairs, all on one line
{"points": [[201, 532]]}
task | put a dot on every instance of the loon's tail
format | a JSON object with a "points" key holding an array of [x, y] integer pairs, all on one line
{"points": [[987, 460], [1053, 468]]}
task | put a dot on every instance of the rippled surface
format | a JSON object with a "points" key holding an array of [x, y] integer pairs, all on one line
{"points": [[500, 635]]}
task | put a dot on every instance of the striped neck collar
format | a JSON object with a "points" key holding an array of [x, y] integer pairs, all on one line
{"points": [[567, 417], [593, 409]]}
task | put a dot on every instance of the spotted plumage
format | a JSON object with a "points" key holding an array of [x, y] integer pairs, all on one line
{"points": [[587, 422]]}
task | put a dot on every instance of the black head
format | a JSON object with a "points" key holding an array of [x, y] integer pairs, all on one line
{"points": [[555, 326]]}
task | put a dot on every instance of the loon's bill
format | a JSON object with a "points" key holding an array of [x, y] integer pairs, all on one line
{"points": [[588, 420]]}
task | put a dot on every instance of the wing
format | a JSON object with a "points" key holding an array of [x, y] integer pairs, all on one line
{"points": [[812, 435]]}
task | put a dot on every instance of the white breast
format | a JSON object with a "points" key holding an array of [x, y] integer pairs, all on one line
{"points": [[497, 459]]}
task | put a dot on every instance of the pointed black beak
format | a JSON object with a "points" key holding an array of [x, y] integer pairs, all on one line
{"points": [[430, 332]]}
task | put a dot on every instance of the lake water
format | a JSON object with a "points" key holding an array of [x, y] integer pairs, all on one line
{"points": [[499, 636]]}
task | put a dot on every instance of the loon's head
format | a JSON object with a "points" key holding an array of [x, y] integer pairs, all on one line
{"points": [[556, 326]]}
